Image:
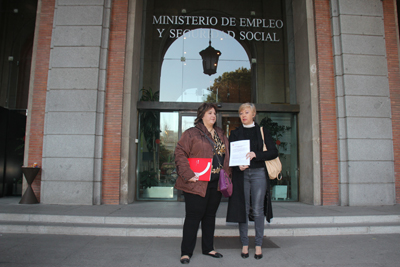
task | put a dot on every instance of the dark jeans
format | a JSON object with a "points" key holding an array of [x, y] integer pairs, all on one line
{"points": [[255, 185], [200, 209]]}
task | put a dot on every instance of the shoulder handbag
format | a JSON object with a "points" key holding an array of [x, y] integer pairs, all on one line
{"points": [[225, 183], [274, 166]]}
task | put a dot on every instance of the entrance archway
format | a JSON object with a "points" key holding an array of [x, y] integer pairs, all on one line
{"points": [[292, 90]]}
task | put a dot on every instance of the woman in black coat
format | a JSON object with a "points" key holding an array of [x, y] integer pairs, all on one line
{"points": [[251, 183]]}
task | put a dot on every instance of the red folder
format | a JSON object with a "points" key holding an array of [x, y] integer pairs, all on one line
{"points": [[201, 167]]}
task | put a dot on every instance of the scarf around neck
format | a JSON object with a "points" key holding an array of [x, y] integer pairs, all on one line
{"points": [[249, 126]]}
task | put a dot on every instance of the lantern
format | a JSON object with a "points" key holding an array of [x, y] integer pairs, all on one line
{"points": [[210, 58]]}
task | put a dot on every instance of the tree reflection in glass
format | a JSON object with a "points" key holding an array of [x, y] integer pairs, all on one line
{"points": [[182, 77]]}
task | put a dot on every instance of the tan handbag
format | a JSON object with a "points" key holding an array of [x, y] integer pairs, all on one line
{"points": [[274, 166]]}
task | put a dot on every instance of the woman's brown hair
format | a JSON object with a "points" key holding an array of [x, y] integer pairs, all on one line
{"points": [[202, 110]]}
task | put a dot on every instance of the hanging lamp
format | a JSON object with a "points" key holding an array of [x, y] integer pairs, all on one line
{"points": [[210, 58]]}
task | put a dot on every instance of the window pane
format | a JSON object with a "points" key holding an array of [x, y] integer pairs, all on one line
{"points": [[156, 166], [187, 122], [182, 77], [282, 127]]}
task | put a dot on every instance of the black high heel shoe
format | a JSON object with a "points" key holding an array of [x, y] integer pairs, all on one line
{"points": [[258, 256], [245, 255], [185, 260], [215, 255]]}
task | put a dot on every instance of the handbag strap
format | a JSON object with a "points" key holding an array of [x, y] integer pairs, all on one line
{"points": [[262, 136], [212, 143]]}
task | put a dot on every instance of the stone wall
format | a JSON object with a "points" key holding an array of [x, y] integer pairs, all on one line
{"points": [[75, 101], [363, 104]]}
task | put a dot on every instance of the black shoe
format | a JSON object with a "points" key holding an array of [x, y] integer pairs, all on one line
{"points": [[216, 255], [244, 255], [185, 260], [258, 256]]}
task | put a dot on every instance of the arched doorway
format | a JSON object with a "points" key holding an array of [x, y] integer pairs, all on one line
{"points": [[182, 80], [272, 79]]}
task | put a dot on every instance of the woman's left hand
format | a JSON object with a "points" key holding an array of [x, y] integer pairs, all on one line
{"points": [[251, 155], [243, 167]]}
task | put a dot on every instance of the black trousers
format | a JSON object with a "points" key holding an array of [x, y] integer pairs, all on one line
{"points": [[200, 209]]}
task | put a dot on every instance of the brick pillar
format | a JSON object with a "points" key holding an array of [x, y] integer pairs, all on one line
{"points": [[113, 109], [38, 87], [392, 50], [327, 104]]}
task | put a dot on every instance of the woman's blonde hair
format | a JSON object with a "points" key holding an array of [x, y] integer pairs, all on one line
{"points": [[251, 106]]}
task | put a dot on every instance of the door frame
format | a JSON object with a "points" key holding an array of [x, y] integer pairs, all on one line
{"points": [[223, 107]]}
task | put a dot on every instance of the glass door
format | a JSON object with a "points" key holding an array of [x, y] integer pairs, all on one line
{"points": [[158, 137], [228, 121], [186, 120], [160, 132], [283, 129]]}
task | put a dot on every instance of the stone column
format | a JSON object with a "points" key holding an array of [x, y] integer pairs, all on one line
{"points": [[307, 98], [363, 104], [73, 133]]}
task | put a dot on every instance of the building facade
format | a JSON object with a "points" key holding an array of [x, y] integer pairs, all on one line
{"points": [[114, 83]]}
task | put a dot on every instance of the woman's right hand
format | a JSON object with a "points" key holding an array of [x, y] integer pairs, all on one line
{"points": [[243, 167], [193, 179]]}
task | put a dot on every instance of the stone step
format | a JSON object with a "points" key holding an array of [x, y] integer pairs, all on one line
{"points": [[172, 227], [179, 221], [176, 231]]}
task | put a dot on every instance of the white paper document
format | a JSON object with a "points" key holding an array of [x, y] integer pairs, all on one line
{"points": [[238, 152]]}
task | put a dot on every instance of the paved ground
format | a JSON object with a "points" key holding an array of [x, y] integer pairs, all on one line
{"points": [[18, 250], [33, 250]]}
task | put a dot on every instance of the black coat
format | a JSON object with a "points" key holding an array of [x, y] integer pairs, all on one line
{"points": [[236, 205]]}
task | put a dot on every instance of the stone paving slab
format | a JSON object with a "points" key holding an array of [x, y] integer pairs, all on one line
{"points": [[19, 250]]}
